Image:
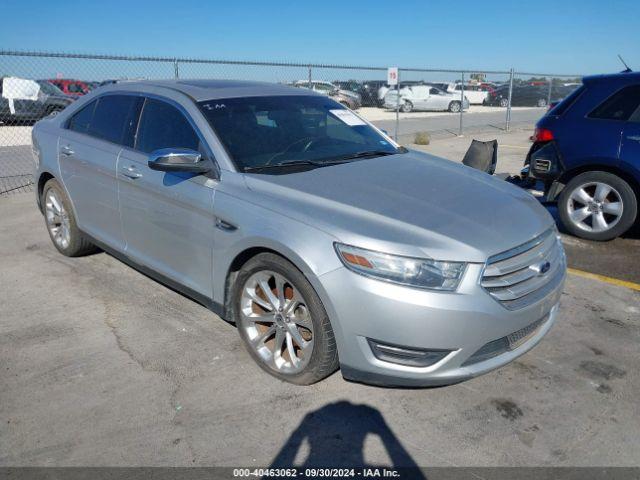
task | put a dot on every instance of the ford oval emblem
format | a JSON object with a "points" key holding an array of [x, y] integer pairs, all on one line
{"points": [[541, 268]]}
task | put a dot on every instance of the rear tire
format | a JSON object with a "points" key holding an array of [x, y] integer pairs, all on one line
{"points": [[504, 102], [61, 222], [406, 106], [597, 206], [455, 107], [542, 102], [291, 311]]}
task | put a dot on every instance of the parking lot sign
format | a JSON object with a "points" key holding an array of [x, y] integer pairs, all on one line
{"points": [[392, 76]]}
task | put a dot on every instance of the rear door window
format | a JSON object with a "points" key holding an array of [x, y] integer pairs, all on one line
{"points": [[164, 126], [114, 118], [619, 106]]}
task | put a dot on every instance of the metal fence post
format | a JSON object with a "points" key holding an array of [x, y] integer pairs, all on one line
{"points": [[310, 81], [461, 103], [509, 103], [397, 106], [176, 72], [549, 92]]}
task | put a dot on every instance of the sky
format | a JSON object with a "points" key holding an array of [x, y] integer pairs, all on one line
{"points": [[567, 36]]}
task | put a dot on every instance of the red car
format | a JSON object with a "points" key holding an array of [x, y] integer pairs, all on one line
{"points": [[71, 87]]}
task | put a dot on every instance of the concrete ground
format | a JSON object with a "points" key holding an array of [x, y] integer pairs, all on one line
{"points": [[99, 365]]}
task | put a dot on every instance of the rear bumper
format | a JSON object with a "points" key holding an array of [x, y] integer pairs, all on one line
{"points": [[545, 162]]}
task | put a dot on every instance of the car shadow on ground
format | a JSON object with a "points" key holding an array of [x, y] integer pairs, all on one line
{"points": [[335, 435]]}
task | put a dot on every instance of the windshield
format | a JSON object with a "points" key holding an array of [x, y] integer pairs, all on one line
{"points": [[49, 88], [266, 131]]}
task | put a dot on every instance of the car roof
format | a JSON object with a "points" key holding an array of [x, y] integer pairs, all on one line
{"points": [[622, 77], [201, 90]]}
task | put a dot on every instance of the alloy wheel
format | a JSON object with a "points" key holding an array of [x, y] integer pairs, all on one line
{"points": [[57, 219], [276, 321], [595, 207]]}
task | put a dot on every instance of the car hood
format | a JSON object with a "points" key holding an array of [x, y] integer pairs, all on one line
{"points": [[410, 204]]}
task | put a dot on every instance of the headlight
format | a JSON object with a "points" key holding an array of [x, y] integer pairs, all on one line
{"points": [[413, 272]]}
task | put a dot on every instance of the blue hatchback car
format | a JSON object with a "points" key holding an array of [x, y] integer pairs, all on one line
{"points": [[586, 150]]}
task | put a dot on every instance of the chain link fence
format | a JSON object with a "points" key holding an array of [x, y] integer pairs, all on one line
{"points": [[437, 101]]}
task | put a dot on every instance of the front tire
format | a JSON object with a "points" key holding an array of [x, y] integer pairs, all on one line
{"points": [[597, 206], [504, 102], [542, 102], [61, 222], [455, 107], [282, 321]]}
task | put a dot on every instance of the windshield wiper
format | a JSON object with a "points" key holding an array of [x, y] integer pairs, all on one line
{"points": [[294, 163], [324, 163], [365, 154]]}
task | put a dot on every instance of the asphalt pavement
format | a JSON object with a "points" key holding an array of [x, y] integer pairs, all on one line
{"points": [[100, 365]]}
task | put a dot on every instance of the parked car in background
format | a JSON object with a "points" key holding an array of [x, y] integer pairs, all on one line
{"points": [[326, 243], [424, 97], [586, 150], [528, 95], [369, 93], [53, 98], [382, 91], [71, 87], [29, 100], [476, 94], [345, 97]]}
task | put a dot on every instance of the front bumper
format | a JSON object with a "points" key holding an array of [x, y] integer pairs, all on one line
{"points": [[462, 322]]}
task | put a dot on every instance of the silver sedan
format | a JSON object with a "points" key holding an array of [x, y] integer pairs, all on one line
{"points": [[325, 242]]}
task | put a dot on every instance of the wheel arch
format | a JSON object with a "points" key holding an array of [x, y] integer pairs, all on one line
{"points": [[567, 176], [248, 251], [42, 180]]}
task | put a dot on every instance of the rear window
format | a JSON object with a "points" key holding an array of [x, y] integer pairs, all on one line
{"points": [[619, 106], [81, 120], [569, 100]]}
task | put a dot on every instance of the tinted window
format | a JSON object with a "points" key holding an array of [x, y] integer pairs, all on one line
{"points": [[164, 126], [564, 105], [114, 116], [620, 105], [81, 120]]}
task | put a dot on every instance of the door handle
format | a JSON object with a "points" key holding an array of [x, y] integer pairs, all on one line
{"points": [[225, 226], [66, 151], [634, 137], [130, 172]]}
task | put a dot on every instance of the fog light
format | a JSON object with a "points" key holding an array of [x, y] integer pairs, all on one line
{"points": [[412, 357]]}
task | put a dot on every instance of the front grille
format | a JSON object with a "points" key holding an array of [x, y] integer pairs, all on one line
{"points": [[525, 274]]}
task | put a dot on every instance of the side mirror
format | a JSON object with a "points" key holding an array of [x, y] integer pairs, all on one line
{"points": [[178, 160]]}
